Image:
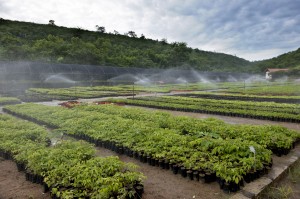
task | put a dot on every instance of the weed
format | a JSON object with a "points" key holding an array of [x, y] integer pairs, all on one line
{"points": [[294, 173], [281, 192]]}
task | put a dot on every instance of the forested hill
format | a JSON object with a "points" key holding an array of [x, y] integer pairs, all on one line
{"points": [[288, 60], [51, 43]]}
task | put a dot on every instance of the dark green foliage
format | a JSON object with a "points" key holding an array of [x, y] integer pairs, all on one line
{"points": [[51, 43], [289, 60]]}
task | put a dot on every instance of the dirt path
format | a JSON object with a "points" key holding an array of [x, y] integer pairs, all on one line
{"points": [[14, 186], [163, 184]]}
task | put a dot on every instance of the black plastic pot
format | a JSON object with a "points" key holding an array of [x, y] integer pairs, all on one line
{"points": [[135, 155], [241, 183], [175, 168], [152, 161], [190, 174], [167, 164], [202, 177], [139, 188], [45, 188], [54, 197], [130, 153], [7, 155], [20, 166], [209, 177], [149, 160], [252, 175], [226, 187], [125, 150], [221, 183], [141, 157], [278, 152], [161, 164], [39, 179], [99, 143], [33, 178], [260, 172], [248, 178], [156, 162], [196, 175], [171, 165], [114, 147], [106, 144], [285, 151], [233, 187], [294, 145], [120, 150], [183, 172]]}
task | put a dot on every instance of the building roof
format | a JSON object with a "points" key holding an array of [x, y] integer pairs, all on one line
{"points": [[273, 70]]}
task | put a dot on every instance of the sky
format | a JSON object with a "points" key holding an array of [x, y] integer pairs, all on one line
{"points": [[250, 29]]}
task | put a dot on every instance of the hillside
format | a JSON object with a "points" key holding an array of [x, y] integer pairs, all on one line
{"points": [[288, 60], [50, 43]]}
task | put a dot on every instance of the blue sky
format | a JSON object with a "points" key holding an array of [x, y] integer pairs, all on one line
{"points": [[251, 29]]}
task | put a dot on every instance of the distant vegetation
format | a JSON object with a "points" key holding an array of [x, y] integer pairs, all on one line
{"points": [[288, 60], [50, 43], [54, 44]]}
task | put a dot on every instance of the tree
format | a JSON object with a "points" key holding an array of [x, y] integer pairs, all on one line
{"points": [[83, 52], [131, 34], [164, 41], [49, 49], [116, 32], [180, 53], [100, 29], [51, 22], [142, 36]]}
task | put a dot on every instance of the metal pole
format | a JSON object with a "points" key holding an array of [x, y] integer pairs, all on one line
{"points": [[133, 90], [155, 88]]}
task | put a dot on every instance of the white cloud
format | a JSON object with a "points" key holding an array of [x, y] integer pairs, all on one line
{"points": [[261, 54], [250, 29]]}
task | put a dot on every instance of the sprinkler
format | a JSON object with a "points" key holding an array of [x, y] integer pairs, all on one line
{"points": [[132, 90]]}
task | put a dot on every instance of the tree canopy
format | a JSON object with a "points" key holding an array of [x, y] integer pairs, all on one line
{"points": [[51, 43]]}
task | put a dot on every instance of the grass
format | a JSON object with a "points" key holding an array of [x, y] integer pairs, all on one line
{"points": [[287, 188], [294, 174], [281, 192]]}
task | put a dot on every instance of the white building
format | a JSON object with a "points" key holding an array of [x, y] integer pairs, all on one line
{"points": [[269, 72]]}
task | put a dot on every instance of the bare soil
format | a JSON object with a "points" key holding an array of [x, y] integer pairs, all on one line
{"points": [[14, 186], [163, 184]]}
